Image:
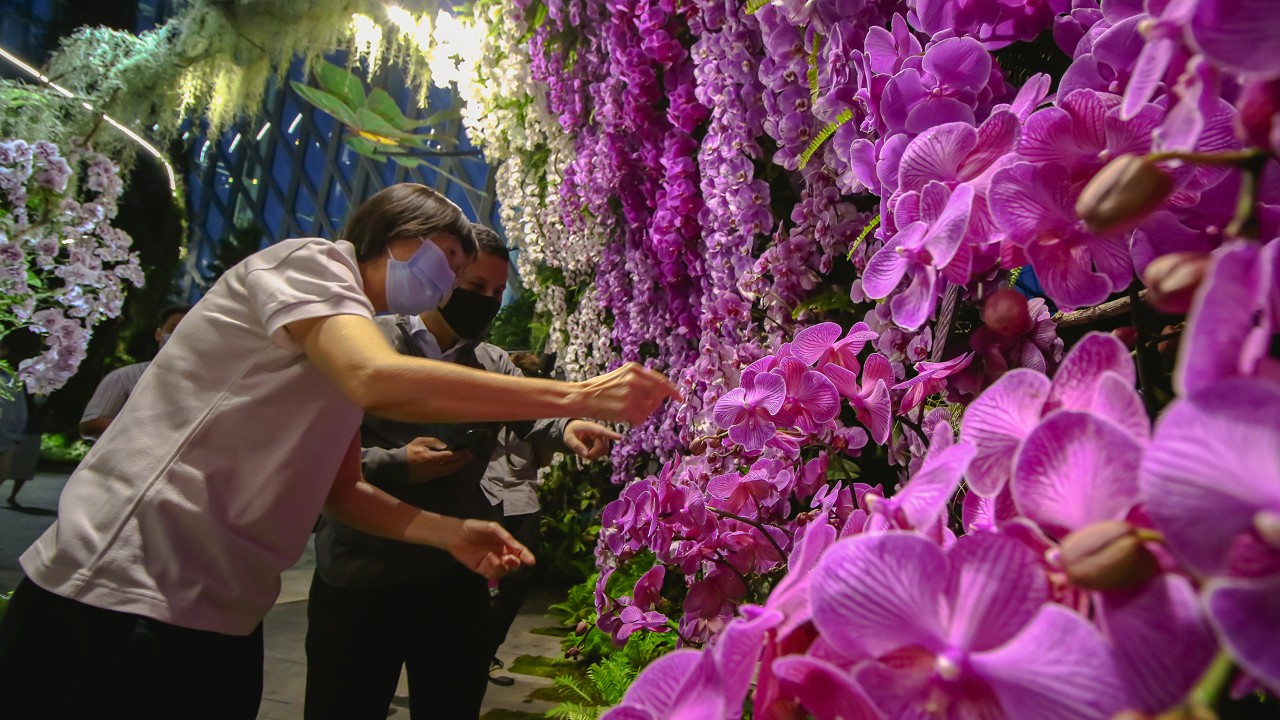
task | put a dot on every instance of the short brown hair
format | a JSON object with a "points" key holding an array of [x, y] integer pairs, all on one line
{"points": [[406, 210], [489, 242]]}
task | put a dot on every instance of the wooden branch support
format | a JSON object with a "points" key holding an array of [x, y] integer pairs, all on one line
{"points": [[1089, 315]]}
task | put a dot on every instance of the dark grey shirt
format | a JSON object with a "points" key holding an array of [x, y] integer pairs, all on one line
{"points": [[347, 557]]}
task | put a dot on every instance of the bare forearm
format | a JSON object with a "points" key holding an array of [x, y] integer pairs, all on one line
{"points": [[414, 390], [93, 429], [368, 509]]}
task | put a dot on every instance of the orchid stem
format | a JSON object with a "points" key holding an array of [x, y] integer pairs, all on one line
{"points": [[1144, 354], [757, 525], [1216, 678], [1235, 158], [736, 571], [915, 427]]}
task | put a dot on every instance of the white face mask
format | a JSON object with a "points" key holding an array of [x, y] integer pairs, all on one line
{"points": [[422, 283]]}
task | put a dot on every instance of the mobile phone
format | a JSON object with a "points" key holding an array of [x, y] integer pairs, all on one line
{"points": [[475, 440]]}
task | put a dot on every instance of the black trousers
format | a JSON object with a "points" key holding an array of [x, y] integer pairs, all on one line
{"points": [[358, 640], [63, 659], [515, 587]]}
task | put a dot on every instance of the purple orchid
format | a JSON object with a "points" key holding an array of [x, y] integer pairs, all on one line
{"points": [[921, 504], [822, 345], [961, 633], [870, 397], [920, 251], [685, 684], [811, 400], [1232, 319], [945, 87], [931, 378], [1211, 483], [748, 412], [1096, 376], [1035, 204]]}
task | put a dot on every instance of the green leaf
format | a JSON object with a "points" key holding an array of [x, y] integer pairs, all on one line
{"points": [[825, 302], [441, 116], [368, 122], [325, 102], [753, 6], [340, 83], [361, 146], [384, 106], [407, 161], [813, 67]]}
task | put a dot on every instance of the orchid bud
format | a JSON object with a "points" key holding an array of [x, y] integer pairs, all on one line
{"points": [[697, 446], [1172, 280], [1006, 313], [1123, 194], [1107, 555], [1259, 119], [583, 628], [1126, 334]]}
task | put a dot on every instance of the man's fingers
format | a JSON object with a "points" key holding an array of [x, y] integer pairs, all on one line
{"points": [[574, 444], [668, 388], [602, 431]]}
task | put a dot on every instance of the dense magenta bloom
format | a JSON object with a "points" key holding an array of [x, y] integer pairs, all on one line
{"points": [[870, 396], [1241, 36], [821, 345], [966, 632], [811, 400]]}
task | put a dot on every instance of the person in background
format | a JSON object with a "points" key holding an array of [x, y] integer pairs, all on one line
{"points": [[114, 389], [378, 605], [24, 456], [511, 485], [145, 599], [13, 424]]}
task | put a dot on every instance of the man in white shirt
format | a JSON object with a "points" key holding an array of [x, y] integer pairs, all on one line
{"points": [[148, 593], [116, 386]]}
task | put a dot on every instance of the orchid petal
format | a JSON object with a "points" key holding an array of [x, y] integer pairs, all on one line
{"points": [[826, 691], [1074, 470], [865, 604], [1058, 668], [996, 586], [1211, 466], [1162, 639], [1246, 613], [810, 343], [997, 422], [1075, 384]]}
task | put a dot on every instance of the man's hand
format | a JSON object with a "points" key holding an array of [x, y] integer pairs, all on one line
{"points": [[486, 548], [629, 394], [588, 440], [429, 460]]}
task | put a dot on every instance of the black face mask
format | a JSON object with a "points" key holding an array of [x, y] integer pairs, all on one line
{"points": [[469, 313]]}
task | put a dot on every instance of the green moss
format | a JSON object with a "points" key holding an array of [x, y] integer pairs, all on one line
{"points": [[500, 714], [546, 667]]}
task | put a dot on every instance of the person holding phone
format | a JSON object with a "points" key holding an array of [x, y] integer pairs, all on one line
{"points": [[378, 605], [145, 599]]}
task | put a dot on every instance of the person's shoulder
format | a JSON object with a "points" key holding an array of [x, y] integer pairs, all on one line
{"points": [[301, 251], [133, 371]]}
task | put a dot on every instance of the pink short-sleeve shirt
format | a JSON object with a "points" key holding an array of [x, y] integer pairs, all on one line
{"points": [[208, 483]]}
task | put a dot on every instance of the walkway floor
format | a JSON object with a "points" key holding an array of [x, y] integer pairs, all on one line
{"points": [[286, 625]]}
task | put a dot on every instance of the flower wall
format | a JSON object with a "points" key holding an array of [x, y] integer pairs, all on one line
{"points": [[63, 266], [898, 487]]}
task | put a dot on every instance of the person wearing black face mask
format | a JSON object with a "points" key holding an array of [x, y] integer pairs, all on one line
{"points": [[379, 605]]}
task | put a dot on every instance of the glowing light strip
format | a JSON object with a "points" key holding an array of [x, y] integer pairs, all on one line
{"points": [[173, 181]]}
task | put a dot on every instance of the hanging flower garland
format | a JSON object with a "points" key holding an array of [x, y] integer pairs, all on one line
{"points": [[63, 266]]}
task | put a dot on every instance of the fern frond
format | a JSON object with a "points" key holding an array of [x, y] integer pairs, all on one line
{"points": [[576, 686], [754, 5], [571, 711], [1014, 275], [813, 67], [871, 226], [822, 136]]}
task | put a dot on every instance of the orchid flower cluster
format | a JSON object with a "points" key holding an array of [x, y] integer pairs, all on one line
{"points": [[1095, 565], [63, 266]]}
